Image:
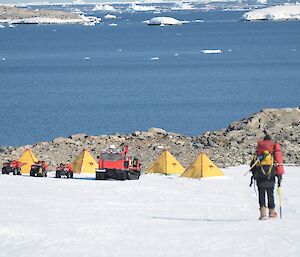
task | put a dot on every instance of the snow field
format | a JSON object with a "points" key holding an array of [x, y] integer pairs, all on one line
{"points": [[155, 216]]}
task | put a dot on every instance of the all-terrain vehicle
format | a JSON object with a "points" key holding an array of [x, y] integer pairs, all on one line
{"points": [[7, 167], [116, 164], [64, 170], [39, 169], [12, 167]]}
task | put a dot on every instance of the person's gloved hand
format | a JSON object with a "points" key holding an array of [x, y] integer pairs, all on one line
{"points": [[279, 178]]}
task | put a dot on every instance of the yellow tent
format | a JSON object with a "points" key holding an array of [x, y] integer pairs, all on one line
{"points": [[166, 164], [85, 163], [202, 167], [27, 158]]}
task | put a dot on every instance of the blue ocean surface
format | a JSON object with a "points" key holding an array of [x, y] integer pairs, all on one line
{"points": [[58, 80]]}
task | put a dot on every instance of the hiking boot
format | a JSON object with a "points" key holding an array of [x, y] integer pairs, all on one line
{"points": [[272, 213], [263, 213]]}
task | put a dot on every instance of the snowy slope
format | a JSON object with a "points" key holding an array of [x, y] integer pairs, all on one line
{"points": [[155, 216]]}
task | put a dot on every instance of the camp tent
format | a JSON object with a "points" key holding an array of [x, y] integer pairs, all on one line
{"points": [[166, 164], [85, 163], [202, 167], [28, 159]]}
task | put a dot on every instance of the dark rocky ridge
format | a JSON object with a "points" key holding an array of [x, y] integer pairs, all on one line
{"points": [[226, 147]]}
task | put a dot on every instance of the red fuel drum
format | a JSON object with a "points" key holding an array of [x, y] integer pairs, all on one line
{"points": [[279, 160]]}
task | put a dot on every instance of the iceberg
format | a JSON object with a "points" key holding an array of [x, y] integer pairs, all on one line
{"points": [[163, 21], [211, 51], [262, 1], [142, 8], [110, 16], [183, 6], [279, 12], [78, 2], [105, 7]]}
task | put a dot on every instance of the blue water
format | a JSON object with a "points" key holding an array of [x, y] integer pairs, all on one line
{"points": [[48, 89]]}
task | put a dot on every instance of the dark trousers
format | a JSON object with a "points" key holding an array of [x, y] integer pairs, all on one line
{"points": [[262, 197]]}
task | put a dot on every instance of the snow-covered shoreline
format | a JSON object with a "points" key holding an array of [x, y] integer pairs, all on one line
{"points": [[280, 12]]}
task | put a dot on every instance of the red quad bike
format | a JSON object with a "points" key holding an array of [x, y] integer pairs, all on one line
{"points": [[7, 168], [64, 170], [13, 167], [37, 170], [116, 164]]}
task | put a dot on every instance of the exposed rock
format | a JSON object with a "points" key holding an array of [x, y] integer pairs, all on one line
{"points": [[157, 131], [226, 147]]}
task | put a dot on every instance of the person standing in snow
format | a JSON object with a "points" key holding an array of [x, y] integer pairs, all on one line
{"points": [[266, 166]]}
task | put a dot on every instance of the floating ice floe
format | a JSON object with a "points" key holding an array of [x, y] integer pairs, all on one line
{"points": [[3, 59], [262, 1], [110, 17], [87, 58], [183, 6], [78, 2], [105, 7], [154, 58], [142, 8], [90, 19], [163, 21], [113, 24], [2, 26], [89, 24], [211, 51], [279, 12]]}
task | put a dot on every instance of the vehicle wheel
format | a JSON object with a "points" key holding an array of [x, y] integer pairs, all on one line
{"points": [[14, 173], [121, 175], [71, 175], [100, 175], [45, 174]]}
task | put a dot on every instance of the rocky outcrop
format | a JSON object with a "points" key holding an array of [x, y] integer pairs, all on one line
{"points": [[226, 147]]}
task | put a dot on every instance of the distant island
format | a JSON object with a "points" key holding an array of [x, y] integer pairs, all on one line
{"points": [[14, 15], [275, 13]]}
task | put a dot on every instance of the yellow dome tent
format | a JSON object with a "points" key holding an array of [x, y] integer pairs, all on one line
{"points": [[166, 164], [202, 167], [85, 163], [28, 159]]}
